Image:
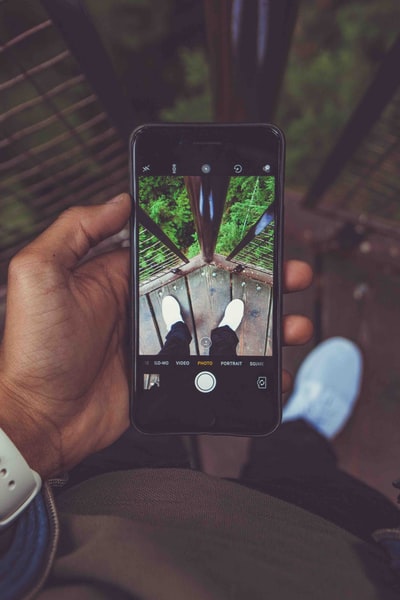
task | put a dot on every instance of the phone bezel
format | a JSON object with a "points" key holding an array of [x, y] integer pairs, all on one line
{"points": [[205, 133]]}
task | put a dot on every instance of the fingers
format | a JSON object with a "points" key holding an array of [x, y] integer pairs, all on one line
{"points": [[80, 228], [287, 381], [112, 270], [297, 276], [297, 330]]}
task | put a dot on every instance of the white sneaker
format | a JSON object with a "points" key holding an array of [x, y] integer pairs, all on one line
{"points": [[326, 386], [233, 314], [171, 311]]}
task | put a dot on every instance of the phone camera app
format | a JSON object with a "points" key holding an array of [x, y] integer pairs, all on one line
{"points": [[206, 251]]}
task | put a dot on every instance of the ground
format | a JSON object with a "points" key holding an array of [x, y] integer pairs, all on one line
{"points": [[203, 294]]}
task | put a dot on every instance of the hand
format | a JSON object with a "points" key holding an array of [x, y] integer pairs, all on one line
{"points": [[63, 383], [63, 368], [297, 330]]}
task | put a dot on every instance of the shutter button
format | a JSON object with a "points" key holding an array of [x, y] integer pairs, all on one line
{"points": [[205, 382]]}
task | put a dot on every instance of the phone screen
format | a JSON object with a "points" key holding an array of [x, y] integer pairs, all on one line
{"points": [[206, 279]]}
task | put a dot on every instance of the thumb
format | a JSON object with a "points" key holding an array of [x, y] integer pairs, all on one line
{"points": [[80, 228]]}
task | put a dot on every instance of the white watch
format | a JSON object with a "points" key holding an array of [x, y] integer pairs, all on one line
{"points": [[19, 484]]}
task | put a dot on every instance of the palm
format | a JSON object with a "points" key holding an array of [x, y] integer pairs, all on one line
{"points": [[72, 323], [62, 360]]}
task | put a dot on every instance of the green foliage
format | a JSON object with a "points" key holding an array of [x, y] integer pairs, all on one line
{"points": [[247, 199], [162, 67], [130, 25], [15, 217], [194, 102], [336, 49], [194, 249], [165, 200], [154, 254]]}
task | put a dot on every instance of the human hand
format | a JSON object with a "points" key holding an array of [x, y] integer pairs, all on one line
{"points": [[297, 329], [63, 372], [63, 382]]}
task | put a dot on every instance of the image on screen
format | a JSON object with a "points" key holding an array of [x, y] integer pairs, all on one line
{"points": [[206, 256]]}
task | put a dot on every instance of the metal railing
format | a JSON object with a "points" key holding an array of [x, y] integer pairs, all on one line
{"points": [[62, 143], [256, 249], [207, 200], [248, 45], [359, 180], [156, 258]]}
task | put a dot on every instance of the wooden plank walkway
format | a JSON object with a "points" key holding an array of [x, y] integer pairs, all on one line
{"points": [[203, 295]]}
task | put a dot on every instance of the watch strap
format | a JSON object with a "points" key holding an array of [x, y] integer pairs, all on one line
{"points": [[19, 484]]}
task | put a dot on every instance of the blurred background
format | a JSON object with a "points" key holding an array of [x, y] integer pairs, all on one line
{"points": [[76, 77]]}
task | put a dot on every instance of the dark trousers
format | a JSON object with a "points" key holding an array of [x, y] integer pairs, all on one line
{"points": [[177, 341], [223, 341], [295, 464], [298, 465]]}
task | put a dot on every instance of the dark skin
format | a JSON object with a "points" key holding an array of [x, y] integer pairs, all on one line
{"points": [[63, 367]]}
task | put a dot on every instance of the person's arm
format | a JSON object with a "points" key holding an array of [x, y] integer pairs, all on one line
{"points": [[63, 384], [63, 372], [63, 358]]}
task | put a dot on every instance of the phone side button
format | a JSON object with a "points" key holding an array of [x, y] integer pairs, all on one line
{"points": [[205, 382]]}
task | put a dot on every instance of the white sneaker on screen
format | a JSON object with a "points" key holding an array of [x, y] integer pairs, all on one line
{"points": [[233, 314], [171, 311]]}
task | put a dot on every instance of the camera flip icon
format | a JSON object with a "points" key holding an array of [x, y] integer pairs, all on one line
{"points": [[262, 382]]}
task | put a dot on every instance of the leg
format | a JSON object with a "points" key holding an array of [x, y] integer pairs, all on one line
{"points": [[297, 462], [223, 341], [298, 465], [223, 338], [177, 340], [133, 450], [178, 337]]}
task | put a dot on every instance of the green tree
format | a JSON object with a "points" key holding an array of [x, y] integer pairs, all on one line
{"points": [[166, 201], [247, 199], [336, 50]]}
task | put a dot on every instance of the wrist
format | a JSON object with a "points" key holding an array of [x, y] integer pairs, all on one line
{"points": [[19, 484], [36, 441]]}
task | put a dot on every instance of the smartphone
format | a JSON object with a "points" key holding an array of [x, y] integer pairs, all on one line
{"points": [[206, 256]]}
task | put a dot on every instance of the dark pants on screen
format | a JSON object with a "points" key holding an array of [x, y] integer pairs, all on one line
{"points": [[177, 342]]}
